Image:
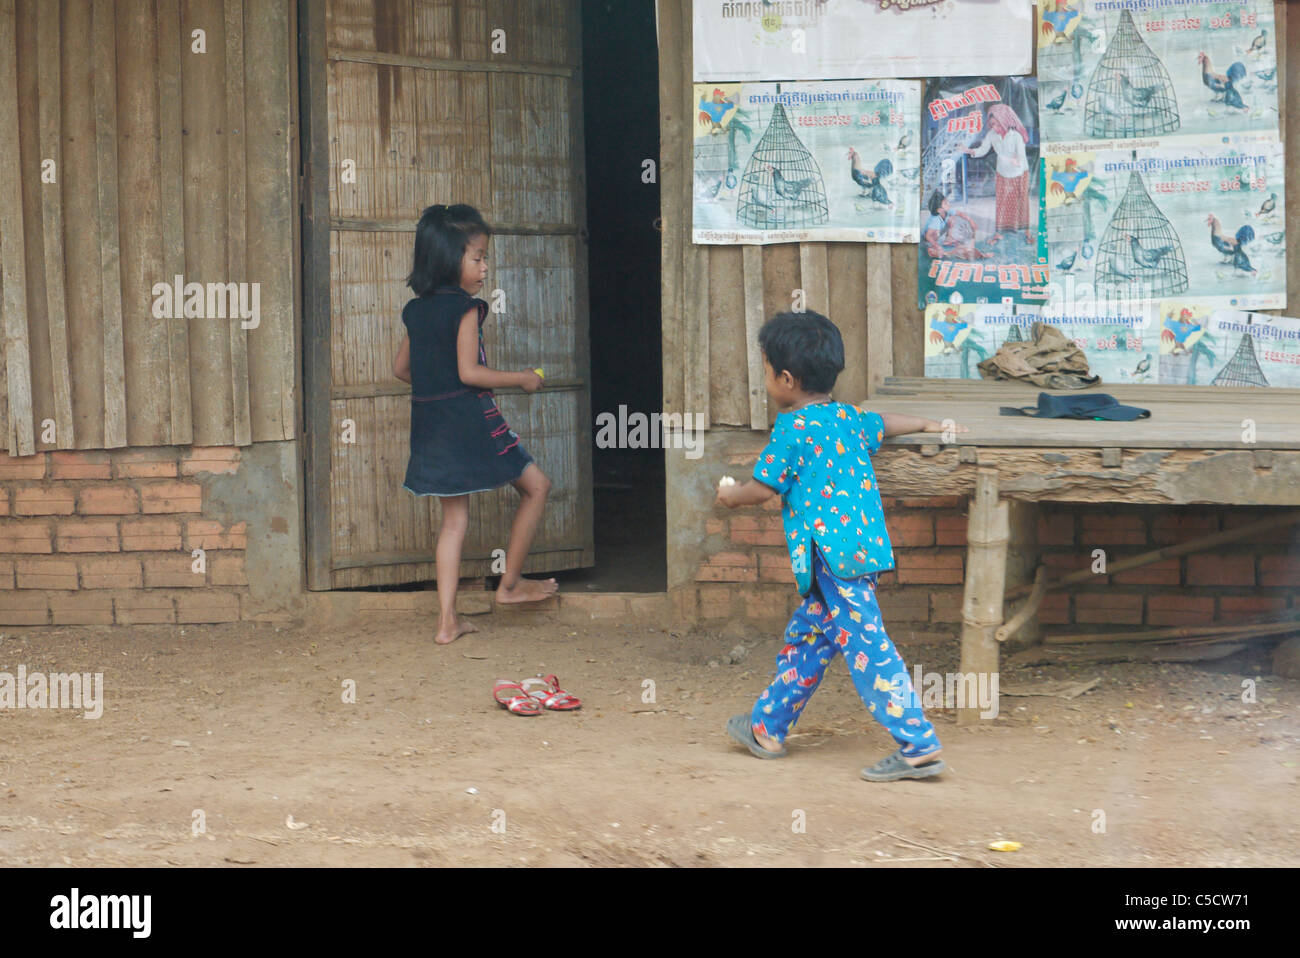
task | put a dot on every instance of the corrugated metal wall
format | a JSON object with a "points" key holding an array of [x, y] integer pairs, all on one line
{"points": [[140, 155]]}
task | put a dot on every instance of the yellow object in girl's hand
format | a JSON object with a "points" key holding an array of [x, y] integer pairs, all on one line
{"points": [[539, 372]]}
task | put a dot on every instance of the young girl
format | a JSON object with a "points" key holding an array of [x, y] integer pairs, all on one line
{"points": [[459, 441]]}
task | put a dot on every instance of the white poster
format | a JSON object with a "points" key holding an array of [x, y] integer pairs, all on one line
{"points": [[1228, 347], [851, 39], [800, 162]]}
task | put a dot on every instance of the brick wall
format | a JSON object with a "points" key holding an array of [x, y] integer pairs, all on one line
{"points": [[745, 575], [99, 538]]}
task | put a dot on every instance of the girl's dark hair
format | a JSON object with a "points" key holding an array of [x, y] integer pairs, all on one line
{"points": [[808, 345], [441, 237], [936, 201]]}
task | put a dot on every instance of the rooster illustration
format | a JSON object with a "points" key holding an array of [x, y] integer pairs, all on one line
{"points": [[1231, 248], [713, 111], [1177, 330], [1057, 20], [1222, 84], [871, 184], [1066, 182]]}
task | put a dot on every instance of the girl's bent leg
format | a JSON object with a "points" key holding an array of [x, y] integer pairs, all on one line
{"points": [[533, 488], [451, 537]]}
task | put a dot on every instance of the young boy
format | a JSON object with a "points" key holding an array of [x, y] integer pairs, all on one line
{"points": [[818, 460]]}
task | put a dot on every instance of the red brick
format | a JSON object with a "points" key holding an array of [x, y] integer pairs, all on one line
{"points": [[713, 527], [1181, 609], [30, 536], [1234, 607], [950, 530], [1281, 570], [757, 530], [775, 567], [764, 604], [145, 464], [82, 536], [715, 601], [113, 572], [22, 467], [945, 606], [1063, 563], [6, 574], [171, 572], [209, 534], [1180, 525], [108, 501], [81, 609], [1056, 529], [887, 580], [141, 608], [227, 570], [943, 568], [728, 567], [210, 459], [46, 574], [1055, 609], [38, 501], [158, 497], [1164, 572], [1102, 529], [1117, 608], [79, 465], [208, 607], [1206, 568], [156, 535], [888, 502], [31, 609], [910, 530]]}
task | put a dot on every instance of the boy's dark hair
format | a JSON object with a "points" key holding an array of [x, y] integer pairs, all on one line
{"points": [[808, 345], [936, 201], [441, 237]]}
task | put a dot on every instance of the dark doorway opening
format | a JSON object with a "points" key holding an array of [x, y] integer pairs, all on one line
{"points": [[620, 85]]}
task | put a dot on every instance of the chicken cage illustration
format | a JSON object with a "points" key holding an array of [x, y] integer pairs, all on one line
{"points": [[782, 187], [1243, 368], [1130, 93], [1141, 255]]}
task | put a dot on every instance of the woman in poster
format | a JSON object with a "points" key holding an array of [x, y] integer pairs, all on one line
{"points": [[1006, 136]]}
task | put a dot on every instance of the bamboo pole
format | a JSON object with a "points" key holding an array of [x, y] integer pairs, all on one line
{"points": [[1187, 634], [1168, 552], [987, 533]]}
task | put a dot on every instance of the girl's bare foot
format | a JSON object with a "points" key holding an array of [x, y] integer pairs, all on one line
{"points": [[450, 633], [527, 590], [922, 759]]}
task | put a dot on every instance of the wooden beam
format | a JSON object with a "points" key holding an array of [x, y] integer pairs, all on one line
{"points": [[312, 87], [753, 281], [986, 568], [880, 319], [814, 278], [438, 63], [13, 263], [674, 195], [49, 83], [236, 224], [110, 266], [172, 210]]}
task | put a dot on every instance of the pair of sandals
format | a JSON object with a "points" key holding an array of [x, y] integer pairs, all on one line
{"points": [[892, 768], [533, 695]]}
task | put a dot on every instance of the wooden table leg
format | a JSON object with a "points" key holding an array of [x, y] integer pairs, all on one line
{"points": [[986, 572]]}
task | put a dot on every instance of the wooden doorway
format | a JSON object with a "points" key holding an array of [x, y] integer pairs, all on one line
{"points": [[405, 103]]}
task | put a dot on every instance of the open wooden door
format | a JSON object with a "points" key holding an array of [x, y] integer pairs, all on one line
{"points": [[406, 103]]}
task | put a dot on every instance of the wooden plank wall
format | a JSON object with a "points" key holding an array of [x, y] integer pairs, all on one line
{"points": [[165, 161], [716, 297]]}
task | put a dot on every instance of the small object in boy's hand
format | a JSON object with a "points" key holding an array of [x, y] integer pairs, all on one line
{"points": [[539, 372], [727, 481]]}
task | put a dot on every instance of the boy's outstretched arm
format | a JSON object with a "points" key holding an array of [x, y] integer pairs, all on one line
{"points": [[750, 494], [900, 424]]}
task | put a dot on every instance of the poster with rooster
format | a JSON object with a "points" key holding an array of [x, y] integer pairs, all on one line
{"points": [[799, 162], [759, 40], [958, 338], [1127, 227], [981, 193], [1174, 73], [1200, 346]]}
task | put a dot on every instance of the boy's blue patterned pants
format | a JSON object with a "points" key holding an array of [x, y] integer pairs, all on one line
{"points": [[841, 615]]}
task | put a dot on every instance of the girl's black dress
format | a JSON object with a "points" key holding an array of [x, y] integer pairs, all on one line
{"points": [[459, 441]]}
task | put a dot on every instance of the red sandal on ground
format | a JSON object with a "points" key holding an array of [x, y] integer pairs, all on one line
{"points": [[546, 690], [521, 703]]}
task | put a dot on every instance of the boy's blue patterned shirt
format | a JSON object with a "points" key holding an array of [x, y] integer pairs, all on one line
{"points": [[819, 459]]}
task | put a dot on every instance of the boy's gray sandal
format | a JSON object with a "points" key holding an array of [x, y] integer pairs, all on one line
{"points": [[895, 767], [738, 728]]}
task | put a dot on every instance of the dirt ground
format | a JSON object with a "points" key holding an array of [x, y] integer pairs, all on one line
{"points": [[247, 724]]}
